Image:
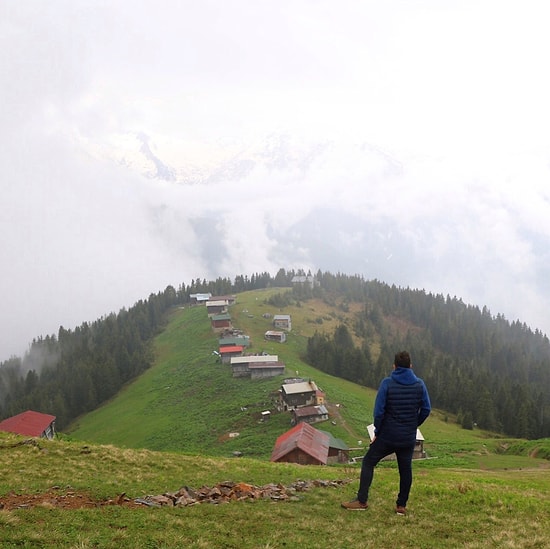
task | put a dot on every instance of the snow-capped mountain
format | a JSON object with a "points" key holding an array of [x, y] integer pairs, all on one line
{"points": [[186, 162]]}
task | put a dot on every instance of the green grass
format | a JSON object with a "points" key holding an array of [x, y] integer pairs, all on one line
{"points": [[189, 403], [449, 507], [169, 429]]}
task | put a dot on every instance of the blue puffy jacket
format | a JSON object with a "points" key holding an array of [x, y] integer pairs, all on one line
{"points": [[402, 404]]}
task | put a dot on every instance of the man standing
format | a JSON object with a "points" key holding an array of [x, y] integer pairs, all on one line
{"points": [[402, 405]]}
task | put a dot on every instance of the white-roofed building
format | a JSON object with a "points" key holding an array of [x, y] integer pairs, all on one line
{"points": [[419, 451], [294, 395]]}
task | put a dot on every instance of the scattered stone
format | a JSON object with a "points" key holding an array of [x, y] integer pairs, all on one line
{"points": [[225, 492], [146, 502]]}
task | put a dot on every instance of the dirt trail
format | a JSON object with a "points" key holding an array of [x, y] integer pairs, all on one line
{"points": [[334, 413]]}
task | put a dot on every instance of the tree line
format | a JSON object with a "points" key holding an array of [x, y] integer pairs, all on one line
{"points": [[486, 370]]}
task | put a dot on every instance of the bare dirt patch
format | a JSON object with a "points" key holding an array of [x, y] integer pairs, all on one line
{"points": [[223, 492], [55, 499]]}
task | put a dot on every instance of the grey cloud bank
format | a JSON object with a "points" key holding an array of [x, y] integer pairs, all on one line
{"points": [[361, 138]]}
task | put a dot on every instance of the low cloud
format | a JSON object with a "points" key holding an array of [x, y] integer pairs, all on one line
{"points": [[199, 143]]}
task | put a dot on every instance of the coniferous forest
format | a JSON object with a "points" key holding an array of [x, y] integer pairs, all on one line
{"points": [[486, 370], [482, 368]]}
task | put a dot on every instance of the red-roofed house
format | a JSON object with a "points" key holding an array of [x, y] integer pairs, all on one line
{"points": [[229, 351], [30, 424], [303, 444]]}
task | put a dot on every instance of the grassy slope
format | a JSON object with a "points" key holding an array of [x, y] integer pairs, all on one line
{"points": [[467, 496], [188, 402]]}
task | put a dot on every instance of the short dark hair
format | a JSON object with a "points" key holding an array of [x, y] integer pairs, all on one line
{"points": [[402, 359]]}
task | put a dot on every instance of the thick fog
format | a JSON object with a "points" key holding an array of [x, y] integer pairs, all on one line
{"points": [[151, 143]]}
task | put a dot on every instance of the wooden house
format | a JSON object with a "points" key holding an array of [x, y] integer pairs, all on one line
{"points": [[294, 395], [240, 369], [338, 450], [220, 322], [309, 414], [283, 322], [216, 307], [226, 340], [199, 299], [227, 352], [275, 335], [231, 299], [30, 424], [302, 444], [256, 366], [260, 370]]}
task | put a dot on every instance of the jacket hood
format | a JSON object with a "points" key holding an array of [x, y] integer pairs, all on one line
{"points": [[405, 376]]}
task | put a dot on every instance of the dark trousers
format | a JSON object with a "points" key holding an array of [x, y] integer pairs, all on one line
{"points": [[378, 450]]}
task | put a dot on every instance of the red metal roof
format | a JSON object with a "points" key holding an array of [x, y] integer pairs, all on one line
{"points": [[28, 423], [231, 349], [305, 437]]}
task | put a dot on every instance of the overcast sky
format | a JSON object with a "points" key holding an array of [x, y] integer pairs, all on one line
{"points": [[404, 141]]}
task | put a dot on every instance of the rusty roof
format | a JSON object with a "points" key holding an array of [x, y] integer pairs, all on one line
{"points": [[305, 411], [304, 437], [259, 365]]}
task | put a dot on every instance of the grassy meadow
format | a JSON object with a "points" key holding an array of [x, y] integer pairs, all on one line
{"points": [[171, 428], [499, 506]]}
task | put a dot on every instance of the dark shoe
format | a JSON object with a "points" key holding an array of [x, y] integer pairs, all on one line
{"points": [[402, 511], [354, 505]]}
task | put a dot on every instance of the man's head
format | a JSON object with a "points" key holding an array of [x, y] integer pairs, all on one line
{"points": [[402, 360]]}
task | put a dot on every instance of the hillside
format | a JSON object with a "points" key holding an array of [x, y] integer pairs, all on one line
{"points": [[482, 370], [188, 402], [87, 488]]}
